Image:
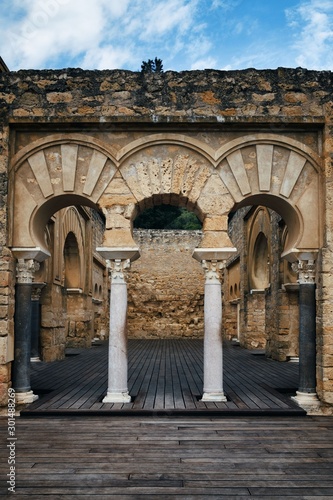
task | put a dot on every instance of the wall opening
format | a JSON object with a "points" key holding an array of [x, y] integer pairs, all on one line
{"points": [[265, 311], [166, 284]]}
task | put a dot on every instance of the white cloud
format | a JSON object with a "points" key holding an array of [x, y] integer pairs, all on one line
{"points": [[168, 15], [106, 57], [207, 63], [95, 33], [225, 4], [313, 20]]}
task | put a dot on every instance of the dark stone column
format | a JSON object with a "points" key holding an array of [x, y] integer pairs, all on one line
{"points": [[22, 331], [306, 394], [307, 338], [35, 320]]}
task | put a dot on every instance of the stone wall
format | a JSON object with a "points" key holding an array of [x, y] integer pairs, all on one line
{"points": [[214, 107], [166, 286]]}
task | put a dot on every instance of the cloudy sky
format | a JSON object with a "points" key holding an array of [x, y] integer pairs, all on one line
{"points": [[185, 34]]}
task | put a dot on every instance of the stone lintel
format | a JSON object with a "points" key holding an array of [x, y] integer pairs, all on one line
{"points": [[119, 253], [33, 253], [295, 254], [217, 254]]}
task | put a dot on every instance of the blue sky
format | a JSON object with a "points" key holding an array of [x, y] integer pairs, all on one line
{"points": [[185, 34]]}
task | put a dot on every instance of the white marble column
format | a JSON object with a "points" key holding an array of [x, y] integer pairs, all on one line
{"points": [[213, 351], [119, 260], [213, 261], [117, 378]]}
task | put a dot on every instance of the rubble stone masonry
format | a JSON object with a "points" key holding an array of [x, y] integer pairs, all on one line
{"points": [[166, 286]]}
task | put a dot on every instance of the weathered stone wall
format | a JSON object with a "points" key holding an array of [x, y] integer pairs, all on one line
{"points": [[79, 321], [213, 106], [166, 286], [268, 316]]}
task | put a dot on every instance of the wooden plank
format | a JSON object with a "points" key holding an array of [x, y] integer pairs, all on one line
{"points": [[163, 457], [164, 375]]}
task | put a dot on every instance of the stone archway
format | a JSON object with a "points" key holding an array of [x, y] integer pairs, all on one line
{"points": [[266, 169]]}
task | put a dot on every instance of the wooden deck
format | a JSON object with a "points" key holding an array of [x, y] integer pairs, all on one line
{"points": [[165, 377], [166, 458]]}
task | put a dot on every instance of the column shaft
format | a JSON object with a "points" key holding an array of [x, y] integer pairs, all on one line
{"points": [[117, 377], [306, 395], [118, 340], [213, 353], [22, 331], [307, 338], [35, 326]]}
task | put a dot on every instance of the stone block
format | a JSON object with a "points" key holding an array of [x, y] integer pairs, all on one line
{"points": [[5, 373], [6, 349], [215, 223]]}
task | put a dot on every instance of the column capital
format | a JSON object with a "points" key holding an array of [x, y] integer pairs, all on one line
{"points": [[212, 270], [36, 289], [25, 269], [306, 270], [117, 269]]}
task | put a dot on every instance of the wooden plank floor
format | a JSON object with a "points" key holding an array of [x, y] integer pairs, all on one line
{"points": [[164, 376], [171, 457]]}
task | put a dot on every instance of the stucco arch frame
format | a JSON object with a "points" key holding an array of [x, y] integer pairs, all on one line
{"points": [[214, 158], [73, 224], [259, 224], [303, 224]]}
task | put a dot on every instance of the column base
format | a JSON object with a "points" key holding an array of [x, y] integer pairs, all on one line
{"points": [[213, 396], [117, 397], [293, 359], [307, 400], [35, 359], [22, 398]]}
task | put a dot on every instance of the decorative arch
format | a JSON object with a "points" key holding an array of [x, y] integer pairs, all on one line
{"points": [[259, 249], [72, 263], [52, 173], [264, 169], [73, 236], [282, 174]]}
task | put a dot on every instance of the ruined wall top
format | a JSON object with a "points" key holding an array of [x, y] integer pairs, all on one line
{"points": [[191, 96]]}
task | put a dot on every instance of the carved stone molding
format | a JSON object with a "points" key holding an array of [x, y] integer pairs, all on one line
{"points": [[25, 269], [117, 269], [212, 270], [306, 271], [37, 290]]}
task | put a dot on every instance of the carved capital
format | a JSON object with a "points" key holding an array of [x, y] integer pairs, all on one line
{"points": [[212, 270], [36, 290], [117, 269], [25, 269], [306, 271]]}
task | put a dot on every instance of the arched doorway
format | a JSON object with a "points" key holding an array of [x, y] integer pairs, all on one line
{"points": [[260, 169]]}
